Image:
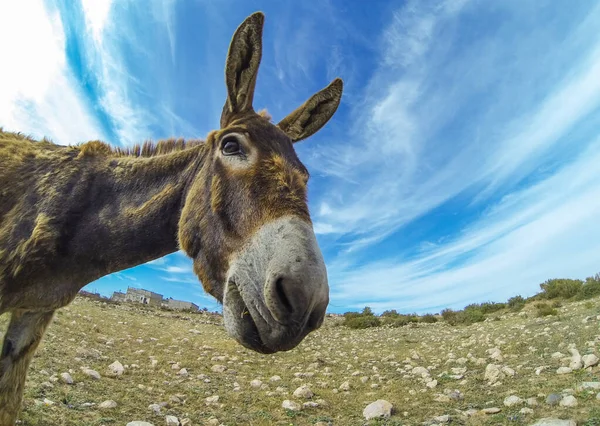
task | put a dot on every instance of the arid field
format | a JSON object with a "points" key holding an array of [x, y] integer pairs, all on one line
{"points": [[498, 372]]}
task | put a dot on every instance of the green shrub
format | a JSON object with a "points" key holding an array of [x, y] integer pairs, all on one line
{"points": [[429, 318], [363, 321], [561, 287], [557, 304], [398, 321], [471, 314], [591, 288], [516, 303], [543, 310]]}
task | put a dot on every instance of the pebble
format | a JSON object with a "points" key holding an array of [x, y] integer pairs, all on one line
{"points": [[303, 392], [107, 404], [553, 398], [66, 378], [512, 400], [564, 370], [568, 401], [116, 368], [171, 421], [554, 422], [491, 410], [291, 405], [378, 409]]}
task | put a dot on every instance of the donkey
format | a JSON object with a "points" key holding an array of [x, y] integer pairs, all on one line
{"points": [[235, 203]]}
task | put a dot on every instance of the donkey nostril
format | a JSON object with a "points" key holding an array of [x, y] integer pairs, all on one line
{"points": [[282, 296]]}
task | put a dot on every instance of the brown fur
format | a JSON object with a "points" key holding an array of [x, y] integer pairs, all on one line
{"points": [[72, 214]]}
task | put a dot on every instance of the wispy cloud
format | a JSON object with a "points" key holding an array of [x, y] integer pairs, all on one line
{"points": [[37, 89]]}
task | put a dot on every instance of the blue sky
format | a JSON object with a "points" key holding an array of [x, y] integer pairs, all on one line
{"points": [[462, 165]]}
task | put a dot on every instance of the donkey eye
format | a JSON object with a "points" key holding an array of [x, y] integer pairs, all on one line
{"points": [[231, 146]]}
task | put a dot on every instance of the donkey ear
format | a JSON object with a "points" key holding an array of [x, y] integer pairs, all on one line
{"points": [[314, 113], [241, 68]]}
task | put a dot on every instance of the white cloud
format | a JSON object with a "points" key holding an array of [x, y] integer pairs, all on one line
{"points": [[96, 16], [545, 231], [38, 94]]}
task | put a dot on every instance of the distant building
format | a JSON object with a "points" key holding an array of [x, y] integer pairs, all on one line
{"points": [[180, 304], [146, 297]]}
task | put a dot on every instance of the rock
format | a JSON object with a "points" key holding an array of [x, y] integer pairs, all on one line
{"points": [[310, 404], [576, 362], [66, 378], [590, 360], [212, 399], [532, 402], [91, 373], [512, 400], [421, 371], [171, 421], [432, 384], [553, 398], [589, 385], [568, 401], [182, 372], [290, 405], [139, 423], [345, 386], [186, 422], [491, 410], [256, 384], [155, 408], [378, 409], [218, 368], [116, 369], [442, 398], [526, 410], [442, 419], [107, 404], [493, 373], [508, 371], [303, 392], [564, 370], [554, 422], [275, 379]]}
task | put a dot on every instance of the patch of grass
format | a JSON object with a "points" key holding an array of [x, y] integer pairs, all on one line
{"points": [[544, 309]]}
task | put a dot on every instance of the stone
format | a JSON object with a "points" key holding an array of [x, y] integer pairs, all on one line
{"points": [[432, 384], [275, 379], [568, 401], [378, 410], [526, 410], [171, 421], [590, 360], [491, 410], [576, 361], [564, 370], [512, 400], [547, 421], [186, 422], [218, 368], [345, 386], [553, 398], [532, 402], [303, 392], [212, 399], [256, 384], [116, 369], [310, 404], [442, 419], [493, 373], [107, 404], [91, 373], [290, 405], [139, 423], [66, 378], [589, 385]]}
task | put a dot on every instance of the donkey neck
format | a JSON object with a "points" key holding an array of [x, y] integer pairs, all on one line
{"points": [[135, 212]]}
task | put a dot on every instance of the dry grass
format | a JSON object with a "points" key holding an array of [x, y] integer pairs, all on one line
{"points": [[93, 334]]}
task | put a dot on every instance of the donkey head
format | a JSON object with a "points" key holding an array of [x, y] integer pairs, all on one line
{"points": [[246, 222]]}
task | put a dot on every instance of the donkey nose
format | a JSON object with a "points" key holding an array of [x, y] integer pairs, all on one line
{"points": [[287, 298]]}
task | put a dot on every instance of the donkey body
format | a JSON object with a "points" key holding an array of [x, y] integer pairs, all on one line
{"points": [[235, 203]]}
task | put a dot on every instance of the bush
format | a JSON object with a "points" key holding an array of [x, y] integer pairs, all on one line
{"points": [[543, 310], [561, 287], [398, 321], [362, 321], [591, 288], [428, 318], [471, 314], [516, 303]]}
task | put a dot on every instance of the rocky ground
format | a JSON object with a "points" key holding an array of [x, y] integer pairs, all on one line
{"points": [[106, 364]]}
